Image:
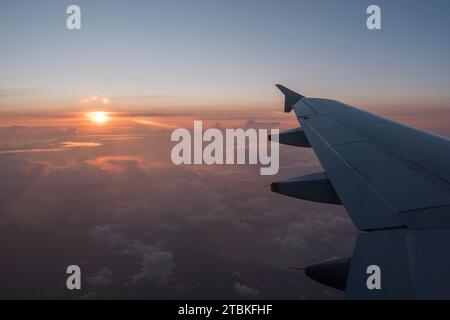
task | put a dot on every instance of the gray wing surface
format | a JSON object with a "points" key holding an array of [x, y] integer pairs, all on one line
{"points": [[394, 181]]}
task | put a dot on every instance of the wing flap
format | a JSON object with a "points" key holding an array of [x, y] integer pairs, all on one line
{"points": [[367, 210]]}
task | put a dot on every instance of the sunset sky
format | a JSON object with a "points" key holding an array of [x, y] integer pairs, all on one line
{"points": [[222, 54], [86, 118]]}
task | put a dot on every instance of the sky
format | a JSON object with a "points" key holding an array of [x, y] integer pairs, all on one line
{"points": [[106, 196], [223, 54]]}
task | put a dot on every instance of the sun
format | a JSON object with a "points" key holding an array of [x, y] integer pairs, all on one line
{"points": [[98, 117]]}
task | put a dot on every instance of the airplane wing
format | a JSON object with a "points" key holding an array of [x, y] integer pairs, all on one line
{"points": [[394, 181]]}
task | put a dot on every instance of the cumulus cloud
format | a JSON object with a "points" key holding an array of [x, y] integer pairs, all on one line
{"points": [[318, 236], [156, 265], [245, 291]]}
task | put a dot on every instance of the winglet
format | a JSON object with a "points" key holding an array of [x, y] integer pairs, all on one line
{"points": [[290, 97]]}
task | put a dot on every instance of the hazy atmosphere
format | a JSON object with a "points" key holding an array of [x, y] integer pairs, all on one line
{"points": [[86, 176]]}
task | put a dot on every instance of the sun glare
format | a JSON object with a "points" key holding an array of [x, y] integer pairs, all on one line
{"points": [[98, 117]]}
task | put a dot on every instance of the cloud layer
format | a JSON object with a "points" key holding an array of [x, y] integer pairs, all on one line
{"points": [[141, 227]]}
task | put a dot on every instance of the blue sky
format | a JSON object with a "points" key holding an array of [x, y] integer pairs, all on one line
{"points": [[202, 51]]}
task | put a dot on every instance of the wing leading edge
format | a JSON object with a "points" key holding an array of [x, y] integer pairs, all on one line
{"points": [[394, 182]]}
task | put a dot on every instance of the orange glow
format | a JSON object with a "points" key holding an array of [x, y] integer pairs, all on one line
{"points": [[98, 117], [95, 99], [154, 123]]}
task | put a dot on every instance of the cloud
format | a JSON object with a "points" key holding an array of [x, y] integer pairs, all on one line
{"points": [[102, 278], [20, 139], [318, 235], [23, 133], [80, 144], [116, 164], [31, 150], [157, 267], [245, 291], [153, 114], [64, 147], [155, 124], [152, 225], [251, 123], [112, 237]]}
